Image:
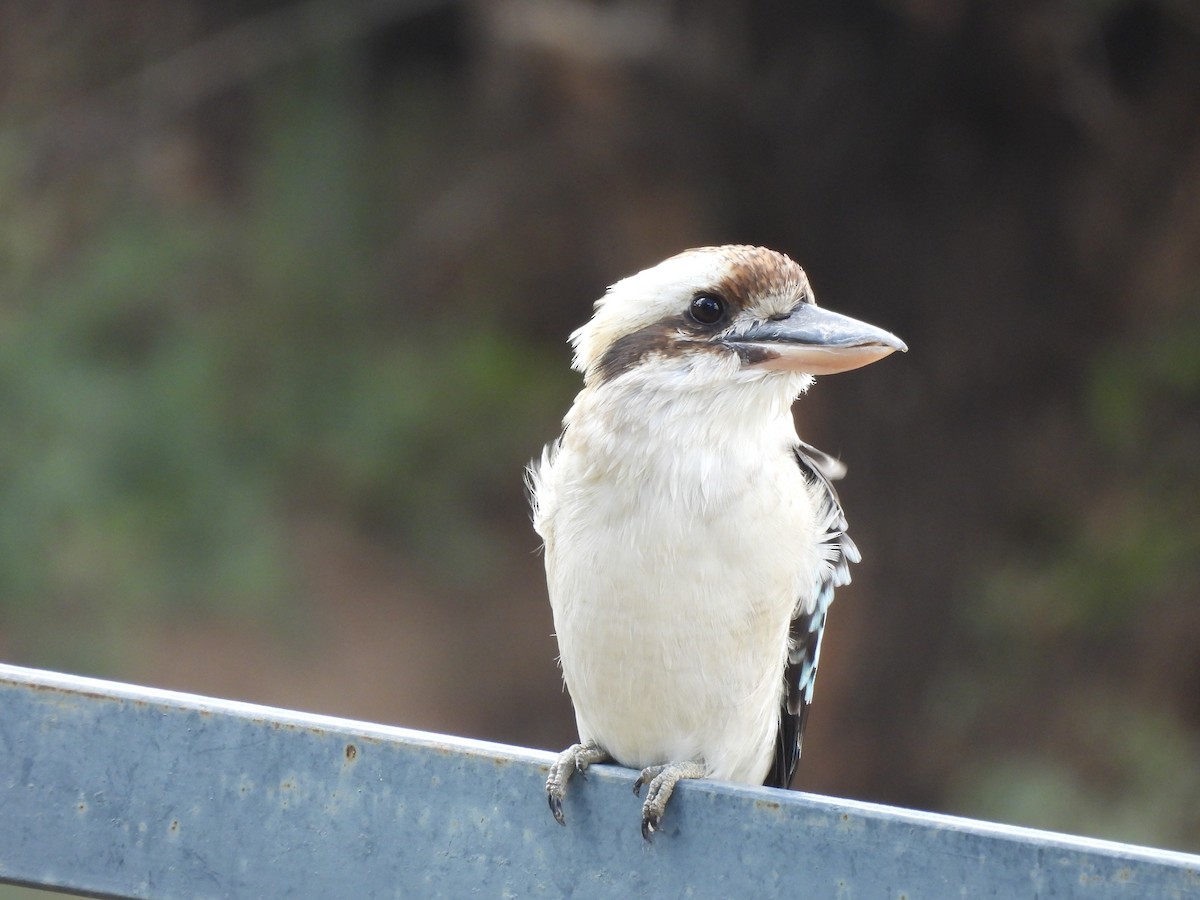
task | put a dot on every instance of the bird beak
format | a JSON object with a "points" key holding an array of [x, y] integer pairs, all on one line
{"points": [[815, 341]]}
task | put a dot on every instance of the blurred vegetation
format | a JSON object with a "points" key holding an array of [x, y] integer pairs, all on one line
{"points": [[179, 378], [275, 265], [1109, 591]]}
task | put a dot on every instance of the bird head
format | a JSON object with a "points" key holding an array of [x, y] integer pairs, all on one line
{"points": [[721, 314]]}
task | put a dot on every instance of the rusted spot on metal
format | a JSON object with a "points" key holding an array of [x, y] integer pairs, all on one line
{"points": [[66, 694], [276, 724], [351, 752], [174, 827]]}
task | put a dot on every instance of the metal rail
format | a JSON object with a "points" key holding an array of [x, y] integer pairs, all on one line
{"points": [[113, 790]]}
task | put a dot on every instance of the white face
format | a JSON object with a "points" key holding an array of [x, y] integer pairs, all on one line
{"points": [[658, 309], [716, 315]]}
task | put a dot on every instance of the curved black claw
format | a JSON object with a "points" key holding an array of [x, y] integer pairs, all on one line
{"points": [[556, 809], [650, 825]]}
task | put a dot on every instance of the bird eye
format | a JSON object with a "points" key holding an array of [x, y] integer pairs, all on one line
{"points": [[707, 309]]}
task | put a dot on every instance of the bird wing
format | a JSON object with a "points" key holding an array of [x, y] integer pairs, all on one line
{"points": [[804, 644]]}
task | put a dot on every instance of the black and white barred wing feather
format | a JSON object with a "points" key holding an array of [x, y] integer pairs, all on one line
{"points": [[804, 649]]}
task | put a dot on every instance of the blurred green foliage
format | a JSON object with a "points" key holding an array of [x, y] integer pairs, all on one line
{"points": [[1139, 788], [181, 380], [1102, 596]]}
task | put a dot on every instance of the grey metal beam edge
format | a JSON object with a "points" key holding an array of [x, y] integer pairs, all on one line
{"points": [[112, 790]]}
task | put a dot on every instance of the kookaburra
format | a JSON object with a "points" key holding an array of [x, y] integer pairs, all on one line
{"points": [[692, 540]]}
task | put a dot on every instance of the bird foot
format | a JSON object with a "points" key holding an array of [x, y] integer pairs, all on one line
{"points": [[575, 758], [662, 780]]}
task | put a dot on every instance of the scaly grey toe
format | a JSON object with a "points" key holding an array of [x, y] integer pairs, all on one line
{"points": [[661, 781], [575, 758]]}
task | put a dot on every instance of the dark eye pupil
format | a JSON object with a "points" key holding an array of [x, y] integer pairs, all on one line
{"points": [[707, 309]]}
